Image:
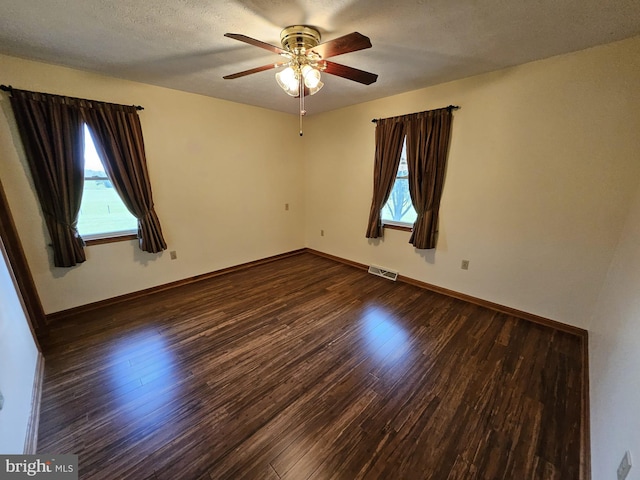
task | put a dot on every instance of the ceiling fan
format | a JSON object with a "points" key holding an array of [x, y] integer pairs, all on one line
{"points": [[305, 58]]}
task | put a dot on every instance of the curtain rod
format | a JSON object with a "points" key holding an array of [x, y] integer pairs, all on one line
{"points": [[9, 88], [450, 107]]}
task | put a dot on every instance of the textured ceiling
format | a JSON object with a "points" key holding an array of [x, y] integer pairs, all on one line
{"points": [[416, 43]]}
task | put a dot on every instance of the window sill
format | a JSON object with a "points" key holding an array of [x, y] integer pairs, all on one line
{"points": [[392, 226], [100, 241]]}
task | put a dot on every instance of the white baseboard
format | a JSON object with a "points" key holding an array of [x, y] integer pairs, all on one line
{"points": [[31, 441]]}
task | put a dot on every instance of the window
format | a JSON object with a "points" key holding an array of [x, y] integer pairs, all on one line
{"points": [[102, 212], [399, 210]]}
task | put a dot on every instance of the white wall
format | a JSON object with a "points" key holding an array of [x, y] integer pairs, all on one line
{"points": [[615, 359], [542, 167], [220, 172], [18, 356]]}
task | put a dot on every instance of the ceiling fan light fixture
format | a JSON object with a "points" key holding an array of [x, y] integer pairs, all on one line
{"points": [[288, 81], [316, 89], [311, 77]]}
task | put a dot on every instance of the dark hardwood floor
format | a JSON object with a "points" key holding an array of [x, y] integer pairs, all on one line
{"points": [[305, 368]]}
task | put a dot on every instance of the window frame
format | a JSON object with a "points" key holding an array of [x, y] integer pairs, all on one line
{"points": [[402, 226], [395, 224], [111, 239], [103, 237]]}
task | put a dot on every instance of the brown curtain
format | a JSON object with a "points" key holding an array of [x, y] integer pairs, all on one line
{"points": [[117, 135], [428, 135], [389, 140], [51, 130]]}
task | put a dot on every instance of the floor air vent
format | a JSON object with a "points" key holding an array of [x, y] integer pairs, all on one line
{"points": [[381, 272]]}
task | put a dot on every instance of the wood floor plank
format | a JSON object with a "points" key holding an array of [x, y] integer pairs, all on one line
{"points": [[308, 369]]}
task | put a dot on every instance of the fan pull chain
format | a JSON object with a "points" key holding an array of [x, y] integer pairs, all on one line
{"points": [[302, 112]]}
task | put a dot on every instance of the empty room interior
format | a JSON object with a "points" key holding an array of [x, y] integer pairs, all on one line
{"points": [[264, 316]]}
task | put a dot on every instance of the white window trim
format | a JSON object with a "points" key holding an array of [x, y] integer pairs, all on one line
{"points": [[101, 236], [397, 224]]}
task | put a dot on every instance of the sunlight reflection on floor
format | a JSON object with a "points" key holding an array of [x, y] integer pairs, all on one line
{"points": [[144, 371], [385, 338]]}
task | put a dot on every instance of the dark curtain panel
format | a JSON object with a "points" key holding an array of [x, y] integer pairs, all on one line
{"points": [[389, 140], [51, 131], [117, 135], [428, 135]]}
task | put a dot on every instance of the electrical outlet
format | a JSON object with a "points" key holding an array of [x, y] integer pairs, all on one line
{"points": [[286, 206], [322, 233], [465, 265], [173, 254], [625, 466]]}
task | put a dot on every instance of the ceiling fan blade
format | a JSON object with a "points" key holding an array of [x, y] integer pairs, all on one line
{"points": [[348, 43], [254, 70], [350, 73], [255, 43]]}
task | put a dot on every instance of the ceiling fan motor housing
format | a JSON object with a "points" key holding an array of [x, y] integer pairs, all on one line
{"points": [[299, 39]]}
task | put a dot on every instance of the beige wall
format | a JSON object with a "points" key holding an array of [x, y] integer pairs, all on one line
{"points": [[615, 357], [542, 166], [221, 174]]}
